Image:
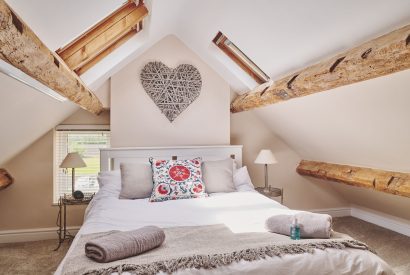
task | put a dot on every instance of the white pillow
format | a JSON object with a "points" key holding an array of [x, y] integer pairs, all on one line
{"points": [[110, 180], [218, 176], [136, 180], [242, 180]]}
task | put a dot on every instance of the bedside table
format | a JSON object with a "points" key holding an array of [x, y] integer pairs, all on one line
{"points": [[271, 192], [65, 200]]}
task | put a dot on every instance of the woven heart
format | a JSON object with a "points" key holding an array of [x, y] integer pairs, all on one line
{"points": [[172, 90]]}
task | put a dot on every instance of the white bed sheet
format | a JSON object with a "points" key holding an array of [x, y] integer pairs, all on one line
{"points": [[241, 212]]}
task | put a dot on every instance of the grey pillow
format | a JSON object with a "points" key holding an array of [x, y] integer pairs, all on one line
{"points": [[136, 180], [218, 176]]}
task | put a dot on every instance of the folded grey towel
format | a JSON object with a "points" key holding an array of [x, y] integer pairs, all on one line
{"points": [[120, 245], [312, 225]]}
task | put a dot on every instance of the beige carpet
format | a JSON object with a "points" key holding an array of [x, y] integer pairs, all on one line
{"points": [[31, 258], [393, 247], [39, 257]]}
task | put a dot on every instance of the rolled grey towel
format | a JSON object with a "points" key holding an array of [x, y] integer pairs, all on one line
{"points": [[312, 225], [120, 245]]}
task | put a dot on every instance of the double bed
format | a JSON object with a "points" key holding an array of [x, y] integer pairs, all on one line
{"points": [[239, 211]]}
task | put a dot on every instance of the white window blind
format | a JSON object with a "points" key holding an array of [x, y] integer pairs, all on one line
{"points": [[87, 143]]}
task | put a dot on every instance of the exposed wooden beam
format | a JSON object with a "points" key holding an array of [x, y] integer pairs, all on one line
{"points": [[93, 45], [384, 55], [20, 47], [396, 183], [5, 179]]}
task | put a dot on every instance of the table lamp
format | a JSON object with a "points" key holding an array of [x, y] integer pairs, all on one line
{"points": [[73, 160], [266, 157]]}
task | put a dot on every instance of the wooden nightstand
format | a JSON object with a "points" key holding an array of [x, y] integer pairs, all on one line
{"points": [[63, 233], [271, 192]]}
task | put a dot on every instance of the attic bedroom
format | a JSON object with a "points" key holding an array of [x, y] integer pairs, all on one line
{"points": [[204, 137]]}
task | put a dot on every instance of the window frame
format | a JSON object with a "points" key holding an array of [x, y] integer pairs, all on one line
{"points": [[56, 167], [240, 58]]}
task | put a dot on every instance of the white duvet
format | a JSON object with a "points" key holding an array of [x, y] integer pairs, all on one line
{"points": [[242, 212]]}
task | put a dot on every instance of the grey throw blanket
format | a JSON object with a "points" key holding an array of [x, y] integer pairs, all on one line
{"points": [[312, 225], [206, 247], [120, 245]]}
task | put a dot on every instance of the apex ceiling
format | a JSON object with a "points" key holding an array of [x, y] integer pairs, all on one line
{"points": [[279, 36], [364, 124], [57, 22]]}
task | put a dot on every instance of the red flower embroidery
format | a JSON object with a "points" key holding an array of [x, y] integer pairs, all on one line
{"points": [[162, 189], [198, 188], [179, 173], [177, 180], [159, 162]]}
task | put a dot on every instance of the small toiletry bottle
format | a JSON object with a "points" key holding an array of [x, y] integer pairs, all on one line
{"points": [[295, 230]]}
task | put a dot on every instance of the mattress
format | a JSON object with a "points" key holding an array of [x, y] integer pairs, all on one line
{"points": [[241, 212]]}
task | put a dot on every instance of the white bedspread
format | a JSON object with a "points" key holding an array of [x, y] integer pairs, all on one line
{"points": [[242, 212]]}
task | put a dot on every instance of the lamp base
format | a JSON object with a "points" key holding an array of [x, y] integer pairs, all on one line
{"points": [[265, 190], [78, 195]]}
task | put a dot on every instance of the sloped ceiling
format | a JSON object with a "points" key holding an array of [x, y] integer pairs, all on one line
{"points": [[363, 124], [57, 22], [25, 115], [280, 36]]}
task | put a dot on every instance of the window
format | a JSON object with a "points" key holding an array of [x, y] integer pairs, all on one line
{"points": [[97, 42], [87, 143], [231, 50]]}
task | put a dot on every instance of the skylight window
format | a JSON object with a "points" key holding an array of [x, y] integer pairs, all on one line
{"points": [[243, 61], [104, 37]]}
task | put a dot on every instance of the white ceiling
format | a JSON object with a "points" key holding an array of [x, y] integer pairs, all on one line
{"points": [[364, 124], [278, 35], [26, 115], [57, 22]]}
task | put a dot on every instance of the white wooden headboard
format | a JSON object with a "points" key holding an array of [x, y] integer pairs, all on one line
{"points": [[111, 158]]}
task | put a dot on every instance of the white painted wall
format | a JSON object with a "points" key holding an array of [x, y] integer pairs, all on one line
{"points": [[104, 93], [364, 124], [299, 192], [25, 115], [31, 195], [137, 121]]}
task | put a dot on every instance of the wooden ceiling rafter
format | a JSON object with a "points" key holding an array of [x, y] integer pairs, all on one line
{"points": [[396, 183], [384, 55], [5, 179], [21, 48], [105, 36]]}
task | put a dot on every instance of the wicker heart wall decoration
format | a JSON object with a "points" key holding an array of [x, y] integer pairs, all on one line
{"points": [[172, 90]]}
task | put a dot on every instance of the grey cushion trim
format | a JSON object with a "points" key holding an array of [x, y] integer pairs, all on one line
{"points": [[218, 176], [136, 180]]}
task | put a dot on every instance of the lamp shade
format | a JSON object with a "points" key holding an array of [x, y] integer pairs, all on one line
{"points": [[265, 156], [73, 160]]}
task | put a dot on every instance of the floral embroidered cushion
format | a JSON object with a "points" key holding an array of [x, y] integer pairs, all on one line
{"points": [[177, 179]]}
